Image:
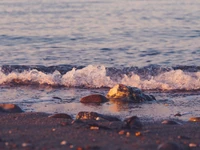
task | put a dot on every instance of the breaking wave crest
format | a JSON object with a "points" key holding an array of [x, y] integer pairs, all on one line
{"points": [[151, 77]]}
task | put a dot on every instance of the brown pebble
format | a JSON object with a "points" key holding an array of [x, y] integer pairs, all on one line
{"points": [[10, 108], [195, 119], [132, 123], [95, 98], [171, 122], [94, 128], [60, 115], [121, 132], [138, 134], [169, 146]]}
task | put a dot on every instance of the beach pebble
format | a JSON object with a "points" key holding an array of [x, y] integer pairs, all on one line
{"points": [[95, 98], [132, 123], [195, 119], [193, 145], [169, 146], [10, 108], [60, 115], [84, 115], [26, 144], [129, 94], [63, 142], [171, 122]]}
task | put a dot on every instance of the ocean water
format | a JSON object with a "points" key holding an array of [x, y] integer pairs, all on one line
{"points": [[52, 53]]}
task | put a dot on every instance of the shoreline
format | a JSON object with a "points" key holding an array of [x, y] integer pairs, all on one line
{"points": [[34, 130]]}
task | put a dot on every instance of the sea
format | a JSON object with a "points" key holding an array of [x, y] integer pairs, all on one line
{"points": [[54, 52]]}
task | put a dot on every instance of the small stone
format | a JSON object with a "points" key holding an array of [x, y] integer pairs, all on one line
{"points": [[53, 129], [26, 144], [63, 142], [79, 148], [178, 115], [10, 108], [193, 145], [71, 146], [195, 119], [169, 146], [171, 122], [6, 143], [128, 134], [132, 123], [121, 132], [138, 134], [95, 98], [94, 128], [60, 115]]}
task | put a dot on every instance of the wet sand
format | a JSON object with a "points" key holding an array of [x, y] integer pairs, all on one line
{"points": [[38, 131]]}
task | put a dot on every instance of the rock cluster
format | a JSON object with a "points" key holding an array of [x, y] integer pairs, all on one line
{"points": [[121, 93]]}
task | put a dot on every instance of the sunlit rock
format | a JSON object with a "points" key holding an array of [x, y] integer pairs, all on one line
{"points": [[127, 93], [10, 108]]}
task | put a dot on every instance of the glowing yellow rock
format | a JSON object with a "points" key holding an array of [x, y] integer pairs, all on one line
{"points": [[127, 93]]}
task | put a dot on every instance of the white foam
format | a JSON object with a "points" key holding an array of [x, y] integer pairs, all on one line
{"points": [[95, 77]]}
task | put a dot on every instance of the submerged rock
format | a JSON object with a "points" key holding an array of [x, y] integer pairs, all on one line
{"points": [[127, 93], [94, 116], [10, 108], [132, 123], [94, 98]]}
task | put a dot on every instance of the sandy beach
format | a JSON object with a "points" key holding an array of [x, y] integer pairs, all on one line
{"points": [[38, 131]]}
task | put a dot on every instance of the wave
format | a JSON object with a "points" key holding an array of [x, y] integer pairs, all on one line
{"points": [[152, 77]]}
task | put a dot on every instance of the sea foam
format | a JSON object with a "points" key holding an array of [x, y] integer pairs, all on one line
{"points": [[97, 77]]}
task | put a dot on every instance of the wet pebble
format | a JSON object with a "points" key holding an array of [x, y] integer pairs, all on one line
{"points": [[169, 146], [171, 122], [132, 123], [60, 115], [195, 119], [95, 98], [10, 108]]}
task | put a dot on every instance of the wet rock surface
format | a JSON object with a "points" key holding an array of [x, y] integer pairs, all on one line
{"points": [[127, 93], [10, 108], [94, 98]]}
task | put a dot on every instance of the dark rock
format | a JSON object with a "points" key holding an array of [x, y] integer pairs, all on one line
{"points": [[10, 108], [95, 116], [170, 146], [127, 93], [132, 123], [60, 115], [95, 98]]}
